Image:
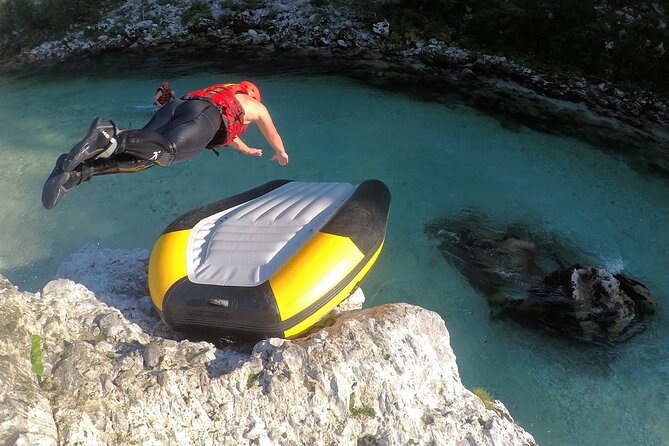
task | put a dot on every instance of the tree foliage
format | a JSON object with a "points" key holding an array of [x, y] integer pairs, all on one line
{"points": [[620, 40], [24, 23]]}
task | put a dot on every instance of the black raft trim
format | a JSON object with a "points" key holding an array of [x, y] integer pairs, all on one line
{"points": [[251, 313], [190, 219], [363, 217], [244, 312]]}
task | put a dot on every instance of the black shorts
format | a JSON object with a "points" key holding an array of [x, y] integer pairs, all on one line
{"points": [[189, 125]]}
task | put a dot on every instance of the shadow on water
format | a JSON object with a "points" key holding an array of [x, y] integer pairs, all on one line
{"points": [[595, 361], [30, 274], [175, 63]]}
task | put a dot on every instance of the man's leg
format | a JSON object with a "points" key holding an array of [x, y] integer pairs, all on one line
{"points": [[62, 181], [146, 145], [103, 140], [101, 136], [178, 131], [191, 127]]}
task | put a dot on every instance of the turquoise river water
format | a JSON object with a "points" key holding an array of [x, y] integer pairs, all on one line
{"points": [[437, 159]]}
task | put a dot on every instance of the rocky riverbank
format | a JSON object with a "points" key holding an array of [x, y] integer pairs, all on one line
{"points": [[94, 365], [632, 124]]}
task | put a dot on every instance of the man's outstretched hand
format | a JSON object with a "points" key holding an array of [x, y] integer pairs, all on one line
{"points": [[281, 158], [254, 151]]}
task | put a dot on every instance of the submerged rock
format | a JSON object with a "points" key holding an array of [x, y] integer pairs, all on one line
{"points": [[509, 260], [585, 303], [536, 280], [384, 376]]}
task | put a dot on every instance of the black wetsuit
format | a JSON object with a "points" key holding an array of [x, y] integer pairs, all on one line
{"points": [[177, 132]]}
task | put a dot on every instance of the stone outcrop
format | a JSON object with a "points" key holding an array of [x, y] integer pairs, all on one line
{"points": [[588, 304], [534, 278], [99, 372]]}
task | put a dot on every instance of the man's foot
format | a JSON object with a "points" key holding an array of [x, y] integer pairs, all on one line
{"points": [[59, 183], [58, 168], [100, 137]]}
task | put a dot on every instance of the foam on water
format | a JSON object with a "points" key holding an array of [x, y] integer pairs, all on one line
{"points": [[438, 160]]}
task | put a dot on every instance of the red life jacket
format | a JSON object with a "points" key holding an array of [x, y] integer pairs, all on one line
{"points": [[232, 112], [165, 95]]}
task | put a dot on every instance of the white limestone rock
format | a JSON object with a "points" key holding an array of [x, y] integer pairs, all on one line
{"points": [[384, 375]]}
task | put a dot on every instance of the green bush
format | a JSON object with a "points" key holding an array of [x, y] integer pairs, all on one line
{"points": [[21, 24], [484, 396], [197, 10], [24, 23], [559, 35], [356, 411], [36, 355]]}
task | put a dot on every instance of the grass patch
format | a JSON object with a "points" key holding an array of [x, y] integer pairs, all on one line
{"points": [[366, 411], [250, 378], [36, 355], [484, 396]]}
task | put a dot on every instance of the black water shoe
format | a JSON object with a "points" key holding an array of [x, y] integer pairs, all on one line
{"points": [[100, 138], [59, 183]]}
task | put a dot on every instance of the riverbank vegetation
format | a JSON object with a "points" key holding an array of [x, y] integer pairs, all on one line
{"points": [[26, 23], [620, 41]]}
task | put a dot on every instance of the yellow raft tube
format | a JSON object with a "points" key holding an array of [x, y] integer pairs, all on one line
{"points": [[269, 262]]}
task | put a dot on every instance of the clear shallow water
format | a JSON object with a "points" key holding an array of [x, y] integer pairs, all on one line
{"points": [[437, 161]]}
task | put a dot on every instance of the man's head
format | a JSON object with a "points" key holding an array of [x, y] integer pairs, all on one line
{"points": [[251, 90], [166, 84]]}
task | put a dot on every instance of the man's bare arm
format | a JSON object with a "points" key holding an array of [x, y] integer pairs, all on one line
{"points": [[267, 128], [240, 145]]}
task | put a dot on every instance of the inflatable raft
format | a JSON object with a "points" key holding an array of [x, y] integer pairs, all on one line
{"points": [[270, 261]]}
